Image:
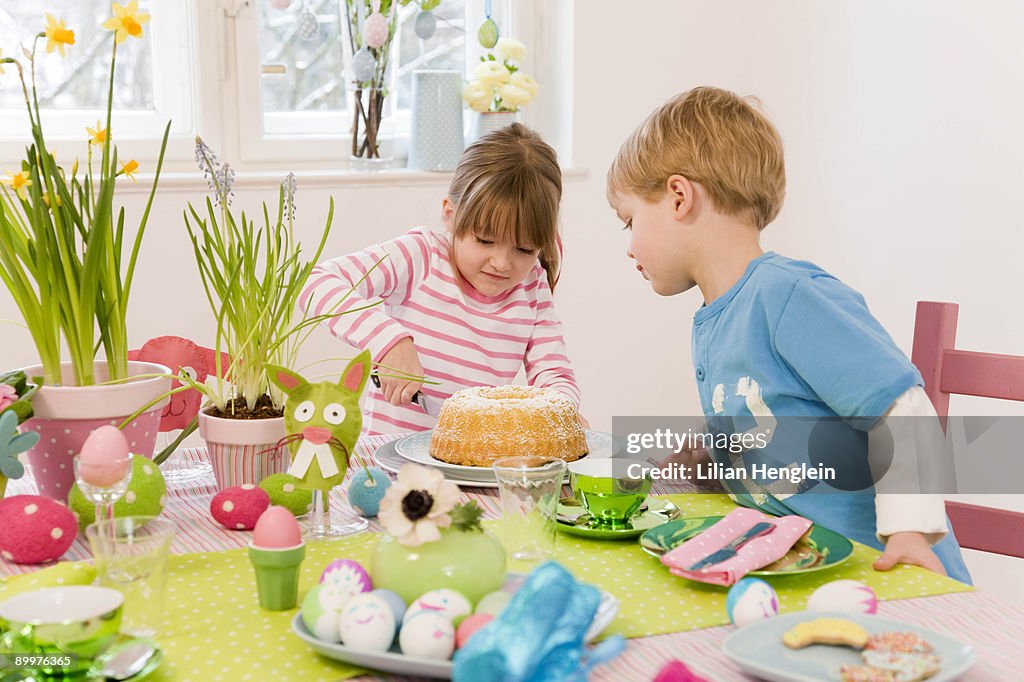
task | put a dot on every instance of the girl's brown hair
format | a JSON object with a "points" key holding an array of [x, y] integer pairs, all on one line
{"points": [[507, 188]]}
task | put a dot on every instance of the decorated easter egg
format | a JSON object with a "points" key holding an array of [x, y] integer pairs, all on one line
{"points": [[363, 65], [394, 601], [307, 26], [367, 623], [427, 634], [851, 596], [321, 611], [146, 495], [103, 460], [239, 507], [448, 603], [367, 490], [425, 25], [35, 529], [276, 529], [284, 491], [749, 600], [375, 30], [487, 34], [493, 603], [347, 576], [468, 627]]}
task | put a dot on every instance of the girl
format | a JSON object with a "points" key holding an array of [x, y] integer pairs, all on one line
{"points": [[465, 308]]}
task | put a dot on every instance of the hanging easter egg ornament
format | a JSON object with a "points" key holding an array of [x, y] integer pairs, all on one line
{"points": [[363, 65], [425, 25], [307, 26], [487, 34], [280, 4], [375, 30]]}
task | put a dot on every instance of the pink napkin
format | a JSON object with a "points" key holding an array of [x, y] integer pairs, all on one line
{"points": [[751, 556]]}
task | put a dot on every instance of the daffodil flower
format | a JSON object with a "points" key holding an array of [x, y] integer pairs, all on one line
{"points": [[97, 135], [127, 21], [129, 169], [57, 34], [18, 182]]}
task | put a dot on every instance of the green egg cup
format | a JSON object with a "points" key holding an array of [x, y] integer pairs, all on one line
{"points": [[277, 576]]}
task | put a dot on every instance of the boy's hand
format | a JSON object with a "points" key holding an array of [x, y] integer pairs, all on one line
{"points": [[401, 358], [909, 548]]}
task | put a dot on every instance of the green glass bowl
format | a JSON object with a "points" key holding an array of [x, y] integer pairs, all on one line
{"points": [[611, 490]]}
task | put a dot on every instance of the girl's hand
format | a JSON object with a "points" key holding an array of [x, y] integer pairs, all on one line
{"points": [[403, 358], [909, 548]]}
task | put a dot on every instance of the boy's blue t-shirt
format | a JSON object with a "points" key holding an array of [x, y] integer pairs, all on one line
{"points": [[790, 340]]}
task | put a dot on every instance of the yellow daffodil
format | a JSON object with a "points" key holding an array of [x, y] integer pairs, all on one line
{"points": [[129, 169], [97, 135], [18, 182], [57, 34], [46, 200], [127, 21]]}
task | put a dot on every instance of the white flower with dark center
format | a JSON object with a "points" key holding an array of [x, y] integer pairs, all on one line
{"points": [[416, 506]]}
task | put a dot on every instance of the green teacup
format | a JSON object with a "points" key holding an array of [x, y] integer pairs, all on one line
{"points": [[611, 490], [79, 621]]}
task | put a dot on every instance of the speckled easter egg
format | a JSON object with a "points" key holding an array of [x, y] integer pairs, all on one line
{"points": [[468, 627], [35, 529], [425, 25], [375, 30], [851, 596], [363, 65], [285, 492], [367, 623], [750, 600], [239, 507], [321, 609], [146, 495], [367, 490], [493, 603], [348, 576], [427, 634], [451, 604]]}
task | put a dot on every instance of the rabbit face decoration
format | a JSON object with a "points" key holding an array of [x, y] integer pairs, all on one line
{"points": [[322, 422]]}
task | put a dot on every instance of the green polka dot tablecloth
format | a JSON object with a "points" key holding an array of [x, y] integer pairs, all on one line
{"points": [[216, 632]]}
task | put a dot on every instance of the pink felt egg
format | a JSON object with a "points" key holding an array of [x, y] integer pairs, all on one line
{"points": [[240, 507], [276, 529], [468, 627], [35, 529], [375, 30], [104, 457]]}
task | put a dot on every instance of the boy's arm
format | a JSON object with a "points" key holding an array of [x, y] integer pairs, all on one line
{"points": [[349, 286], [547, 362]]}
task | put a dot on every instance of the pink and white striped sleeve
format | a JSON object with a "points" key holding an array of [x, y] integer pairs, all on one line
{"points": [[350, 285], [547, 362]]}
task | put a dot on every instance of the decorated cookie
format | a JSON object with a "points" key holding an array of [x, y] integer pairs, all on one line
{"points": [[851, 596], [367, 623], [321, 610], [448, 603], [367, 490], [898, 641], [348, 576], [865, 673], [494, 602], [836, 631], [469, 626], [427, 634], [239, 507], [146, 495], [906, 667], [750, 600], [285, 492], [35, 529]]}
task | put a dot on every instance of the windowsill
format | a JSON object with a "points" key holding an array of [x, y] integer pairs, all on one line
{"points": [[261, 180]]}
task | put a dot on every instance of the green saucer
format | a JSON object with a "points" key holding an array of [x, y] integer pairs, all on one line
{"points": [[573, 519], [819, 549]]}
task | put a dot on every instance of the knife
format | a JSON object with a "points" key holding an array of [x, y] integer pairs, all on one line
{"points": [[731, 549], [423, 401]]}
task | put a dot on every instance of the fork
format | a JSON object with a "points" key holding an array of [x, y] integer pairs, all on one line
{"points": [[731, 549]]}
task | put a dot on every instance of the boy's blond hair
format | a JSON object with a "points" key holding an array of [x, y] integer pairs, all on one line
{"points": [[713, 137]]}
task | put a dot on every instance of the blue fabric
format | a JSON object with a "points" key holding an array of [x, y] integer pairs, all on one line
{"points": [[789, 340], [539, 635]]}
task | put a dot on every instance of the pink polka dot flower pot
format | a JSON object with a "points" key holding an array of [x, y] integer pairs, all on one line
{"points": [[65, 415], [244, 451]]}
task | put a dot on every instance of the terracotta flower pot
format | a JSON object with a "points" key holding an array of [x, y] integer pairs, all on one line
{"points": [[244, 450], [66, 415]]}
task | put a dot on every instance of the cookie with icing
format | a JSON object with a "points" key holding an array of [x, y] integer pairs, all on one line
{"points": [[834, 631]]}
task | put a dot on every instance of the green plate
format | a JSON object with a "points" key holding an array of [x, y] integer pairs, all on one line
{"points": [[817, 550], [573, 519]]}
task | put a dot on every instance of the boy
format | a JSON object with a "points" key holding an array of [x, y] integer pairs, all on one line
{"points": [[776, 338]]}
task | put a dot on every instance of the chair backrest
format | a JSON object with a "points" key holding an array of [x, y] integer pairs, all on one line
{"points": [[946, 371]]}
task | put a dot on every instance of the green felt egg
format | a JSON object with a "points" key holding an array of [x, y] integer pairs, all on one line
{"points": [[285, 492], [146, 495]]}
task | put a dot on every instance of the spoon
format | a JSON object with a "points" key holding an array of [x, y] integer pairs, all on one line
{"points": [[125, 660]]}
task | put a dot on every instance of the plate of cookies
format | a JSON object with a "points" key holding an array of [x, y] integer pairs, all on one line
{"points": [[811, 646]]}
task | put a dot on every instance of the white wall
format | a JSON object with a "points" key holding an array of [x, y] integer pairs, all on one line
{"points": [[903, 131]]}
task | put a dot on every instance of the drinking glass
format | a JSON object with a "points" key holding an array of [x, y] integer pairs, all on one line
{"points": [[530, 489]]}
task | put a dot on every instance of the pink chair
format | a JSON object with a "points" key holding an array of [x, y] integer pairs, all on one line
{"points": [[946, 371]]}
